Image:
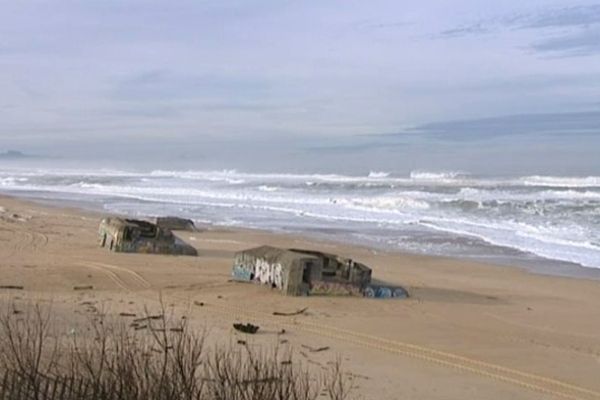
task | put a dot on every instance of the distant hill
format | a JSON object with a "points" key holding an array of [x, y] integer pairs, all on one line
{"points": [[13, 155]]}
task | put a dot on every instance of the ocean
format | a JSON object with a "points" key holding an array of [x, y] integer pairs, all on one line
{"points": [[519, 220]]}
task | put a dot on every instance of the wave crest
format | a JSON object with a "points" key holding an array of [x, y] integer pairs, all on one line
{"points": [[559, 181], [434, 176]]}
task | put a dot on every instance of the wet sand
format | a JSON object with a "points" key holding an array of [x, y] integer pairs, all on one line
{"points": [[469, 330]]}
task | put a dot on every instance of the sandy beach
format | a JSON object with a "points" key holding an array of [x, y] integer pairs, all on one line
{"points": [[468, 331]]}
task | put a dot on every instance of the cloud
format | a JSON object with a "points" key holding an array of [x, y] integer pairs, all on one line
{"points": [[369, 25], [354, 147], [474, 29], [578, 16], [575, 29], [565, 17], [564, 124], [578, 44]]}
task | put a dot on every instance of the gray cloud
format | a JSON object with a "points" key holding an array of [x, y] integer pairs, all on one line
{"points": [[575, 29], [467, 30], [579, 16], [563, 124], [565, 17], [577, 44], [88, 71]]}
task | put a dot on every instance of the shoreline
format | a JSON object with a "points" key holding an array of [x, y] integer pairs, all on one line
{"points": [[536, 265], [461, 317]]}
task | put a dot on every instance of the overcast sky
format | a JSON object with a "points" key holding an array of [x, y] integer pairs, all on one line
{"points": [[89, 72]]}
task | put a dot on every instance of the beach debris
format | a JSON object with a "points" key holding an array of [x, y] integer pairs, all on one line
{"points": [[17, 217], [199, 303], [315, 349], [242, 342], [139, 327], [246, 328], [148, 318], [288, 314], [177, 329], [86, 287], [385, 292], [12, 287], [126, 314]]}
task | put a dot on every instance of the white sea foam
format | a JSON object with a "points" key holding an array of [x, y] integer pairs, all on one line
{"points": [[433, 176], [266, 188], [525, 238], [378, 174], [551, 217], [385, 203], [538, 195], [555, 181]]}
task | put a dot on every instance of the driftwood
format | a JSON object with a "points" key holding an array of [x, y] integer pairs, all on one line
{"points": [[246, 328], [140, 327], [284, 314], [315, 349], [87, 287], [148, 318], [14, 287], [126, 314]]}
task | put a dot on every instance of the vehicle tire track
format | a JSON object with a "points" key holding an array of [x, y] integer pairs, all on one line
{"points": [[134, 281], [522, 379], [141, 281]]}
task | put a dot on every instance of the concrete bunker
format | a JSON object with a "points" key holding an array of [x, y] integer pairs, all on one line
{"points": [[175, 224], [137, 236], [307, 272], [285, 270]]}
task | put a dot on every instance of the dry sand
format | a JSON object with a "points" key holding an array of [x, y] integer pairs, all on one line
{"points": [[469, 330]]}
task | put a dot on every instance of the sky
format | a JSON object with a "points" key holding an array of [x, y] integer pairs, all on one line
{"points": [[313, 78]]}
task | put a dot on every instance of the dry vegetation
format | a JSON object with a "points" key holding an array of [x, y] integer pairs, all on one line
{"points": [[164, 360]]}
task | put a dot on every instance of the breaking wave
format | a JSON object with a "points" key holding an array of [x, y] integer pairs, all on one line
{"points": [[451, 212], [378, 174], [555, 181], [436, 176]]}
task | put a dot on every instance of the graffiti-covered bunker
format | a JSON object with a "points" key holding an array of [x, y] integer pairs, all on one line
{"points": [[299, 272]]}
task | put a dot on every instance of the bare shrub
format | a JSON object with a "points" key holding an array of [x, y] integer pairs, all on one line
{"points": [[27, 347], [161, 358], [338, 387]]}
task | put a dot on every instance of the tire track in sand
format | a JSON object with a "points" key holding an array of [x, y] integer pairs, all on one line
{"points": [[123, 277], [529, 381], [533, 382]]}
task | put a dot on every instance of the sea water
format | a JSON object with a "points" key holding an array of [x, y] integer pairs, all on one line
{"points": [[505, 219]]}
